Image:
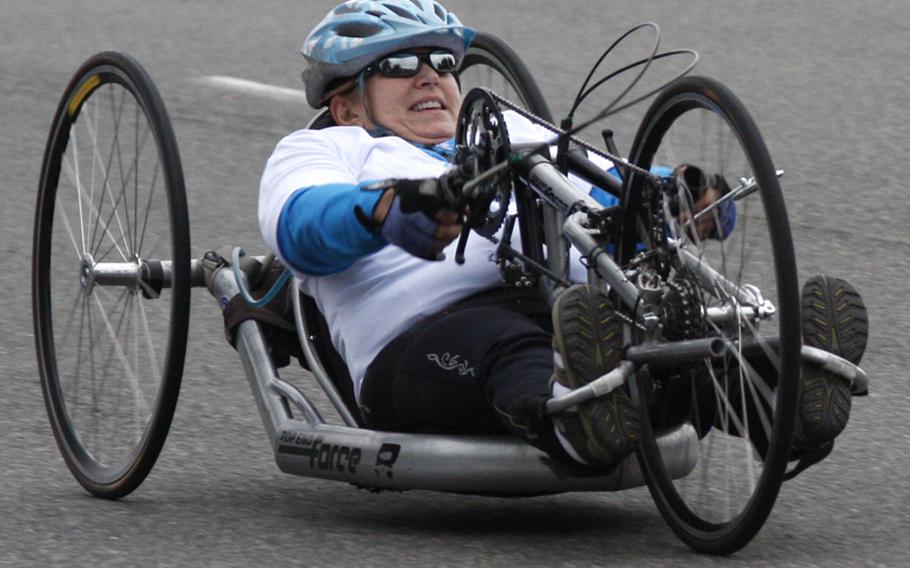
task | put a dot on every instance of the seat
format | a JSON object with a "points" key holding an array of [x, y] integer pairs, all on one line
{"points": [[331, 360]]}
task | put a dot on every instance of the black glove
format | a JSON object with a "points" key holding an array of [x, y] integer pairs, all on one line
{"points": [[410, 222], [429, 195], [415, 231]]}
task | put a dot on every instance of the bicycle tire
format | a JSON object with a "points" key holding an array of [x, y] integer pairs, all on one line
{"points": [[743, 405], [109, 454], [504, 73]]}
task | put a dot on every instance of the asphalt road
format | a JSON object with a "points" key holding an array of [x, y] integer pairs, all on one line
{"points": [[826, 81]]}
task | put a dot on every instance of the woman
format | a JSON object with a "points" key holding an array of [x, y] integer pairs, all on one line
{"points": [[355, 211], [428, 345]]}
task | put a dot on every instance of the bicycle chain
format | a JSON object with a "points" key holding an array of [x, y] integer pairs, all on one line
{"points": [[556, 130]]}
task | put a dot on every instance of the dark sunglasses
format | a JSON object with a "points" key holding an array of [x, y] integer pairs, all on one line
{"points": [[407, 64]]}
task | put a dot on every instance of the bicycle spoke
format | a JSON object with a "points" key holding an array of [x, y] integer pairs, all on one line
{"points": [[68, 227], [114, 245], [725, 407], [153, 358], [116, 306], [752, 379], [105, 389], [157, 243], [75, 142], [148, 209], [772, 355], [105, 169], [123, 178], [95, 155], [106, 188], [102, 257], [111, 216], [78, 364], [70, 317], [93, 372], [130, 373], [744, 229], [135, 171]]}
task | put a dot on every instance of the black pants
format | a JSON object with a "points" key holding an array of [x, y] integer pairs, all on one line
{"points": [[474, 368], [483, 366]]}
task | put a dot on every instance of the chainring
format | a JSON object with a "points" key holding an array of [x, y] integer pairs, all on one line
{"points": [[482, 133]]}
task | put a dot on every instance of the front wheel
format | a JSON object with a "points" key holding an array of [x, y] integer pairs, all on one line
{"points": [[735, 280], [111, 275]]}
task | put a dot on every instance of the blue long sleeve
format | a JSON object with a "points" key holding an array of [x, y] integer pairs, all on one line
{"points": [[318, 232]]}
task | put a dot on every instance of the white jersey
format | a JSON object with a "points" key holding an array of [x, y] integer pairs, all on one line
{"points": [[382, 294]]}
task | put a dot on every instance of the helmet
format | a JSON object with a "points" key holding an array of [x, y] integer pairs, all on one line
{"points": [[358, 32]]}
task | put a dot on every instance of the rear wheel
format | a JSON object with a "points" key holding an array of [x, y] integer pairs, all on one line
{"points": [[492, 64], [110, 315], [740, 285]]}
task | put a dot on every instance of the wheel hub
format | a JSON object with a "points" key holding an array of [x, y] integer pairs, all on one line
{"points": [[87, 274]]}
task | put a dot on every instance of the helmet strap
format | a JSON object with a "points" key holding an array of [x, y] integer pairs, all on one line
{"points": [[378, 130]]}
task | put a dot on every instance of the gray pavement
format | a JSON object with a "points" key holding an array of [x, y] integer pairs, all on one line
{"points": [[826, 82]]}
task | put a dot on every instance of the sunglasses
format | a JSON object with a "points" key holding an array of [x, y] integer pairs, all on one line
{"points": [[407, 64]]}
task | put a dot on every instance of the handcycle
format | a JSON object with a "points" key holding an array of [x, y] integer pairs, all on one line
{"points": [[704, 318]]}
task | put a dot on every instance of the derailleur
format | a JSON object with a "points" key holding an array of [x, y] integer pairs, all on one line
{"points": [[673, 296]]}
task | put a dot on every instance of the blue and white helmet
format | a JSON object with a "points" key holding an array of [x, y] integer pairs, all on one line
{"points": [[358, 32]]}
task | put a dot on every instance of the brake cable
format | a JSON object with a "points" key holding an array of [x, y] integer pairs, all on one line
{"points": [[241, 282]]}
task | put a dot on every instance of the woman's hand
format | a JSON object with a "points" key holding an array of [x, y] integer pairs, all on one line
{"points": [[412, 216], [717, 223], [705, 224]]}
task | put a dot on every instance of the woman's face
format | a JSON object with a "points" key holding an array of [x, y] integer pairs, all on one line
{"points": [[423, 108]]}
